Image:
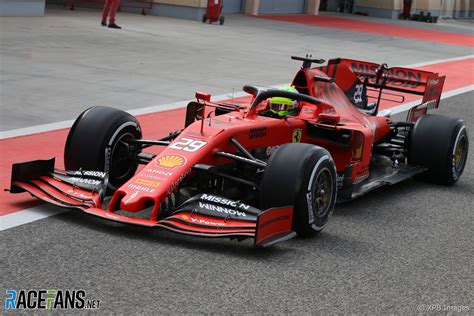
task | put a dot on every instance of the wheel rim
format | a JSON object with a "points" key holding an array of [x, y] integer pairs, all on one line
{"points": [[460, 154], [323, 191], [122, 158]]}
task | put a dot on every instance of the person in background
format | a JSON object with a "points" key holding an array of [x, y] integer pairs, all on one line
{"points": [[110, 8], [406, 9], [341, 6]]}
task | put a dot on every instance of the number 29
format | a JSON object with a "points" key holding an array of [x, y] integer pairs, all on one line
{"points": [[187, 144]]}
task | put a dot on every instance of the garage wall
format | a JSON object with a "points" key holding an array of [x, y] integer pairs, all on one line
{"points": [[282, 6], [463, 8], [386, 8], [187, 3], [233, 6], [174, 11], [230, 6], [384, 4], [392, 8], [194, 9], [22, 7]]}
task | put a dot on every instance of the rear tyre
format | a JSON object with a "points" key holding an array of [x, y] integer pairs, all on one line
{"points": [[303, 176], [204, 18], [439, 143], [96, 142], [221, 20]]}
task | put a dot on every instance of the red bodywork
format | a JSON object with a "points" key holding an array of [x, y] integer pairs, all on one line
{"points": [[332, 86]]}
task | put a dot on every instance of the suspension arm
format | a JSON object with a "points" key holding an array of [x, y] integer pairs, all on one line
{"points": [[211, 170], [254, 163], [243, 151]]}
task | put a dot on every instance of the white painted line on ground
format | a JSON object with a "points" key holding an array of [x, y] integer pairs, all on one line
{"points": [[36, 129], [66, 124], [29, 215], [170, 106], [181, 104], [445, 95], [439, 61], [43, 211]]}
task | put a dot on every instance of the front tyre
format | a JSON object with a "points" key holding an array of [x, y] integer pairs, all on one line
{"points": [[439, 143], [304, 176], [98, 140]]}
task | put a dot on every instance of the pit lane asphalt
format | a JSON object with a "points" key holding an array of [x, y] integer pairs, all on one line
{"points": [[390, 251]]}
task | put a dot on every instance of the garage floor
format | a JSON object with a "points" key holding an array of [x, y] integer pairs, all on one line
{"points": [[56, 66]]}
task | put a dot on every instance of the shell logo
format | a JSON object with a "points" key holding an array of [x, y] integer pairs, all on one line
{"points": [[171, 161]]}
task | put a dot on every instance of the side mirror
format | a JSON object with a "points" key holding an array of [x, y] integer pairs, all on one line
{"points": [[193, 112], [203, 96]]}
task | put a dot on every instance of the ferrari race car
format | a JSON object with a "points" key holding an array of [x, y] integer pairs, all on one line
{"points": [[235, 171]]}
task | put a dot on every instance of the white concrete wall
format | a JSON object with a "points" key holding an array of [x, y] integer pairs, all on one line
{"points": [[22, 7]]}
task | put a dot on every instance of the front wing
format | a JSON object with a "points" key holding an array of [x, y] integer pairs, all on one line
{"points": [[204, 215]]}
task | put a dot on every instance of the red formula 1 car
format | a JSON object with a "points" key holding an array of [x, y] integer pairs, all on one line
{"points": [[234, 171]]}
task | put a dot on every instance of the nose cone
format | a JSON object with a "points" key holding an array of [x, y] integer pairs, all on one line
{"points": [[137, 195], [154, 182]]}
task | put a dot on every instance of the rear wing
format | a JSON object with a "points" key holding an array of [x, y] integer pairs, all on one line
{"points": [[427, 84], [407, 80]]}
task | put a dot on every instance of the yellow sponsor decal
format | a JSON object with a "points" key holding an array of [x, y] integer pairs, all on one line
{"points": [[148, 183], [170, 161], [297, 133]]}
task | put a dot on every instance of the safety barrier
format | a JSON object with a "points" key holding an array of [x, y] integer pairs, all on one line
{"points": [[140, 4]]}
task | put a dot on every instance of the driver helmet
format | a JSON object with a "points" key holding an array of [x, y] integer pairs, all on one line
{"points": [[284, 106]]}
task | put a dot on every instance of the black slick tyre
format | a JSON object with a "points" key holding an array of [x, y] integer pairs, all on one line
{"points": [[439, 143], [303, 176], [97, 141]]}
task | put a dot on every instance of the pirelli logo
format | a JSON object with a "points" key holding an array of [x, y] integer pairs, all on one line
{"points": [[148, 183]]}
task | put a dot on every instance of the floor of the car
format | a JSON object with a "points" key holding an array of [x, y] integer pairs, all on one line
{"points": [[383, 172]]}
